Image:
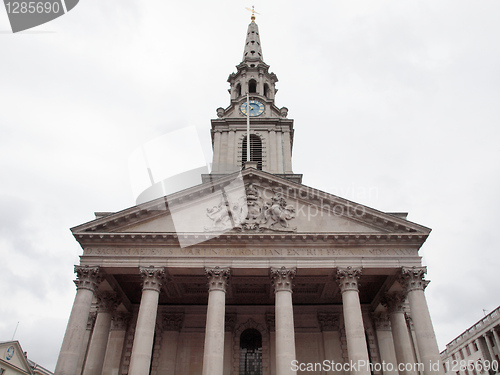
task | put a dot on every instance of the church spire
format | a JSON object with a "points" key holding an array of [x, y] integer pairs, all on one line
{"points": [[253, 50], [253, 119]]}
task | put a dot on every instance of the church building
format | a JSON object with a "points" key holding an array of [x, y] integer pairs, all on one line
{"points": [[250, 272]]}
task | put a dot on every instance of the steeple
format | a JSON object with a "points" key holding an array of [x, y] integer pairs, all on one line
{"points": [[271, 132], [253, 50]]}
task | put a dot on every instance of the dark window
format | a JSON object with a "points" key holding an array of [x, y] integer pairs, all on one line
{"points": [[266, 90], [238, 90], [255, 151], [250, 352], [252, 86]]}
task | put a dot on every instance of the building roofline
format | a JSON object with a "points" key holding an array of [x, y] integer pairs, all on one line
{"points": [[474, 329]]}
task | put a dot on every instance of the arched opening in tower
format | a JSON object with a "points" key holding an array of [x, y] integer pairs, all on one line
{"points": [[252, 86]]}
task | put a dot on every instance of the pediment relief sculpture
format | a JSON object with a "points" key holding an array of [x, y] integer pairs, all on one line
{"points": [[252, 211]]}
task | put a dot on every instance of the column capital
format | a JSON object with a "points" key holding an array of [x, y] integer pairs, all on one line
{"points": [[412, 278], [152, 277], [382, 322], [347, 278], [394, 302], [172, 321], [107, 301], [87, 277], [218, 278], [328, 321], [282, 278], [120, 321]]}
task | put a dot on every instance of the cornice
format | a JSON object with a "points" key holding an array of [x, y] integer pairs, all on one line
{"points": [[319, 239]]}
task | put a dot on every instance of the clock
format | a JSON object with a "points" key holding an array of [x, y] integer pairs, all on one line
{"points": [[256, 108], [10, 353]]}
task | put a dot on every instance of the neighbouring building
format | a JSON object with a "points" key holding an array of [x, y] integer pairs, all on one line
{"points": [[476, 350], [13, 361], [249, 272]]}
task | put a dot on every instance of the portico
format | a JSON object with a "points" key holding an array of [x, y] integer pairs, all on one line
{"points": [[311, 300]]}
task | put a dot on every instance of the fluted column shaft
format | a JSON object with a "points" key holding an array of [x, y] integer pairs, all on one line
{"points": [[140, 360], [414, 284], [213, 352], [72, 346], [106, 304], [284, 326], [353, 319], [402, 342]]}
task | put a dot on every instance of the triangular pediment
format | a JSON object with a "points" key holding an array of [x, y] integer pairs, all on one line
{"points": [[251, 202], [12, 356]]}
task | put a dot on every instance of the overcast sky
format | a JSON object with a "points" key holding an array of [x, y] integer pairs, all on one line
{"points": [[396, 106]]}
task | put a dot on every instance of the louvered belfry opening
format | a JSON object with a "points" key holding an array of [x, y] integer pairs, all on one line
{"points": [[255, 151]]}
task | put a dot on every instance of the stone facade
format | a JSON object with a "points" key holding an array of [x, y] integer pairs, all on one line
{"points": [[476, 350], [250, 272], [14, 361]]}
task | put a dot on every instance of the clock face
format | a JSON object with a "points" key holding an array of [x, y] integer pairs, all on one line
{"points": [[256, 108]]}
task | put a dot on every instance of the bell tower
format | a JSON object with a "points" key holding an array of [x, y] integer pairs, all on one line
{"points": [[252, 100]]}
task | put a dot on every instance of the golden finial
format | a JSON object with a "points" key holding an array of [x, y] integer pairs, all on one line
{"points": [[253, 13]]}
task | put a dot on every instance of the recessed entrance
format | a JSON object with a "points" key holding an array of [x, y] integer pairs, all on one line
{"points": [[250, 352]]}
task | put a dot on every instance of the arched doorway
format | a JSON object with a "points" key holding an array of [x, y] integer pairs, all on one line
{"points": [[250, 352]]}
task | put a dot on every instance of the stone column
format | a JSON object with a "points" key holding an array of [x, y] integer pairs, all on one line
{"points": [[171, 324], [330, 329], [72, 346], [287, 151], [414, 284], [357, 348], [229, 326], [285, 330], [402, 343], [490, 348], [272, 152], [107, 302], [86, 341], [213, 352], [217, 151], [386, 343], [116, 340], [140, 359], [280, 152], [411, 331], [231, 152], [271, 324], [497, 339]]}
